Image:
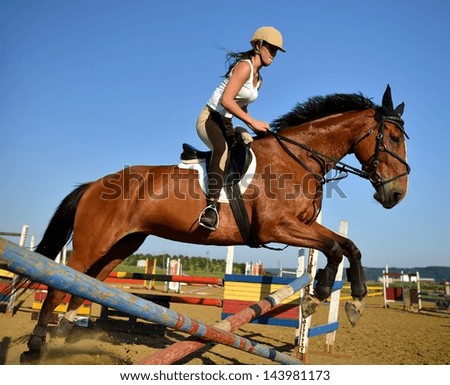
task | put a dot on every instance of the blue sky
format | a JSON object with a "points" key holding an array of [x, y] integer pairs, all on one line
{"points": [[88, 87]]}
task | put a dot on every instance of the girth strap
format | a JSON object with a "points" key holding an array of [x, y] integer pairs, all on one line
{"points": [[240, 213]]}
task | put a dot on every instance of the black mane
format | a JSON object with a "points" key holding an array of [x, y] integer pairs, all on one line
{"points": [[321, 106]]}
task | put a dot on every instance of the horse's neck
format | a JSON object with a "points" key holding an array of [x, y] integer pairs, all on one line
{"points": [[333, 136]]}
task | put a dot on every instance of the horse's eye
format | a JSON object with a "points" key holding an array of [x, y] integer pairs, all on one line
{"points": [[395, 139]]}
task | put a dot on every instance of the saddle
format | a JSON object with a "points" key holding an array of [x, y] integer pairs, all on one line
{"points": [[239, 160]]}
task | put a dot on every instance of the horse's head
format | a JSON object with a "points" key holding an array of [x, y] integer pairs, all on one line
{"points": [[383, 154]]}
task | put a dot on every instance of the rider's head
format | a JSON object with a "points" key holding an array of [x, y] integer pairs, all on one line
{"points": [[266, 41], [269, 38]]}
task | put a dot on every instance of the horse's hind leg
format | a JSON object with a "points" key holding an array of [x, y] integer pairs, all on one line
{"points": [[67, 322], [52, 300], [54, 297], [100, 270], [38, 336]]}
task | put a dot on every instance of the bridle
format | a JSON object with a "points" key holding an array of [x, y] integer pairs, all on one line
{"points": [[344, 169], [372, 175]]}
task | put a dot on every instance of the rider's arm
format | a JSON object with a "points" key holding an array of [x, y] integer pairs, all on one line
{"points": [[241, 73]]}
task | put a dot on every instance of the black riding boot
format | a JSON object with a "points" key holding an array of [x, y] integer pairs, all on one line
{"points": [[209, 218]]}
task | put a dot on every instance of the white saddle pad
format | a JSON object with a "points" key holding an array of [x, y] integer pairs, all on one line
{"points": [[200, 167]]}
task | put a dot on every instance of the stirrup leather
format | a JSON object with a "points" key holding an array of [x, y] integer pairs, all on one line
{"points": [[209, 207]]}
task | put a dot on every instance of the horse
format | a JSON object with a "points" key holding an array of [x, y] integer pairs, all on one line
{"points": [[108, 219]]}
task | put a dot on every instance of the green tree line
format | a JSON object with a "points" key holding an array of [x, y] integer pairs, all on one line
{"points": [[191, 265]]}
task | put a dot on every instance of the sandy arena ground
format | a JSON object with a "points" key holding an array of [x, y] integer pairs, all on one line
{"points": [[383, 337]]}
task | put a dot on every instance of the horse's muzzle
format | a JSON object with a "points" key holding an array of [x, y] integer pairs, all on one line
{"points": [[388, 197]]}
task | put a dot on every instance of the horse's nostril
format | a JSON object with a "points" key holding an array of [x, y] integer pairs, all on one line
{"points": [[397, 196]]}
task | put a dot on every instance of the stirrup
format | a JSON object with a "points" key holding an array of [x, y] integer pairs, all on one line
{"points": [[205, 225]]}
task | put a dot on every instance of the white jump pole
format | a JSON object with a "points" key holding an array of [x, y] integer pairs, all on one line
{"points": [[230, 260], [335, 296], [305, 323]]}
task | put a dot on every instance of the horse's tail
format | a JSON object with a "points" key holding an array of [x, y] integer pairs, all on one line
{"points": [[60, 228], [56, 236]]}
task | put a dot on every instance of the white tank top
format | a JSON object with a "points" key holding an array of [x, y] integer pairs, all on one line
{"points": [[247, 94]]}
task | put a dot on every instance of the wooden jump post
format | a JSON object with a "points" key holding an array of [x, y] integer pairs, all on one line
{"points": [[40, 268], [393, 294]]}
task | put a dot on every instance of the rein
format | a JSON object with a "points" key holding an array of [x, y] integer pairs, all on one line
{"points": [[344, 168], [338, 165]]}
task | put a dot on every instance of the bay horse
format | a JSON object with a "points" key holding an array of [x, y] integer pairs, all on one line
{"points": [[110, 218]]}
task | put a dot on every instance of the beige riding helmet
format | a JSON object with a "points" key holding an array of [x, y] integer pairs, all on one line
{"points": [[270, 35]]}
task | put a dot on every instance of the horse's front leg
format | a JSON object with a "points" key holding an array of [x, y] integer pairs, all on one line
{"points": [[339, 246], [324, 278], [334, 246], [314, 236], [355, 275]]}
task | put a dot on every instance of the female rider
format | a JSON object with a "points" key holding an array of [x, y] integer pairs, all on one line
{"points": [[230, 99]]}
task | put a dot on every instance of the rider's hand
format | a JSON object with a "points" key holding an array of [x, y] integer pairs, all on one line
{"points": [[259, 126]]}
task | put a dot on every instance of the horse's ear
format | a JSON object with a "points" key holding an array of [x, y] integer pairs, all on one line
{"points": [[399, 109], [387, 100]]}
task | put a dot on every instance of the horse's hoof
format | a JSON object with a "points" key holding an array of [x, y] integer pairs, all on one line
{"points": [[30, 357], [309, 305], [354, 311], [35, 343], [64, 327]]}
